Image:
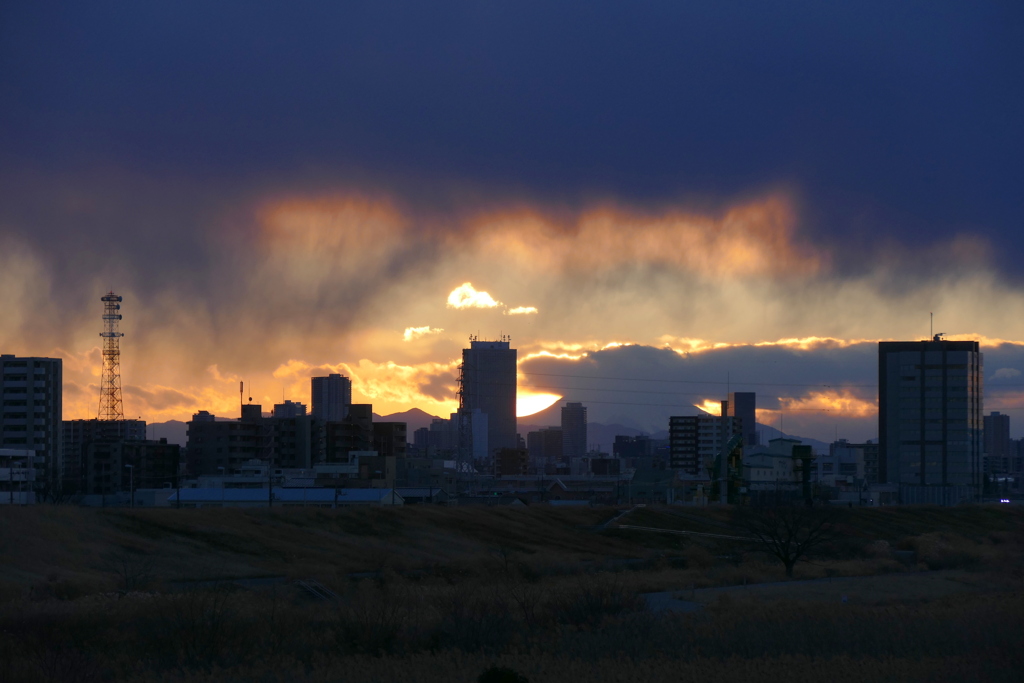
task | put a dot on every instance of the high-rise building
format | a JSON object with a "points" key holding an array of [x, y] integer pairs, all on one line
{"points": [[331, 397], [489, 384], [574, 431], [695, 440], [930, 419], [31, 395], [997, 444], [743, 404]]}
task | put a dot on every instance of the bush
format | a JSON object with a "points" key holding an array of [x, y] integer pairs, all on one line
{"points": [[945, 551]]}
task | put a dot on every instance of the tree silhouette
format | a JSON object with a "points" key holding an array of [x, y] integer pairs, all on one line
{"points": [[789, 532]]}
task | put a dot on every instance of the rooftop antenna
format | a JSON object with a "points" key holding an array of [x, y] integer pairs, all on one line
{"points": [[931, 325], [241, 396]]}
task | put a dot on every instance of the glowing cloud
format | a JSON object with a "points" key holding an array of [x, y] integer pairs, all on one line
{"points": [[417, 332], [529, 403], [522, 310], [842, 402], [466, 296], [709, 406], [751, 239]]}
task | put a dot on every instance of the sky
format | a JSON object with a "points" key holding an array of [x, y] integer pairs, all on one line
{"points": [[658, 202]]}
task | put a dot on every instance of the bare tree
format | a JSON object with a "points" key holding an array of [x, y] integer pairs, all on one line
{"points": [[789, 532], [133, 569]]}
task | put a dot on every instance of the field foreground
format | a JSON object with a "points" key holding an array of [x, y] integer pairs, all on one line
{"points": [[425, 594]]}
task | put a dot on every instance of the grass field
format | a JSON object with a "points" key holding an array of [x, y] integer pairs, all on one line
{"points": [[95, 595]]}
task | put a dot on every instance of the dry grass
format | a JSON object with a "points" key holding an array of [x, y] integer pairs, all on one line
{"points": [[401, 632], [536, 590]]}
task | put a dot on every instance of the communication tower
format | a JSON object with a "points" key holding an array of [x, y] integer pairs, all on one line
{"points": [[110, 380]]}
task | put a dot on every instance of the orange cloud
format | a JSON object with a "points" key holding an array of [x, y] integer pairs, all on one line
{"points": [[710, 406], [842, 402], [753, 239], [389, 386]]}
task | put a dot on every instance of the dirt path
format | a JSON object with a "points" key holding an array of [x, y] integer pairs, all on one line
{"points": [[852, 589]]}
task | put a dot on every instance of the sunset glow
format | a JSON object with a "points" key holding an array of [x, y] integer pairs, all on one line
{"points": [[710, 407], [529, 403]]}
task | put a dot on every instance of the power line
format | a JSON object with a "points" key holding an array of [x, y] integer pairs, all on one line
{"points": [[727, 382], [678, 406], [690, 381]]}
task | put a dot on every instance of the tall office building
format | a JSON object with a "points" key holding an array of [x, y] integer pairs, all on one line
{"points": [[743, 404], [930, 419], [331, 397], [998, 447], [574, 431], [489, 384], [31, 403]]}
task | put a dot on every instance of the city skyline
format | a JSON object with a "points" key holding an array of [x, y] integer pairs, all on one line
{"points": [[749, 217]]}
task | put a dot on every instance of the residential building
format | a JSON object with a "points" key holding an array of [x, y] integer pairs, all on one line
{"points": [[545, 447], [574, 430], [331, 397], [117, 466], [389, 438], [17, 476], [77, 435], [930, 419], [31, 392], [630, 447], [223, 445], [289, 409], [354, 433], [696, 440], [511, 462], [489, 384]]}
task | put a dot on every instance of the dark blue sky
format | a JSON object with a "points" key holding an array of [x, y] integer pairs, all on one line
{"points": [[292, 185], [895, 119]]}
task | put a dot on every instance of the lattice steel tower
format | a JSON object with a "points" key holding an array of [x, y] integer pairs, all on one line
{"points": [[110, 381]]}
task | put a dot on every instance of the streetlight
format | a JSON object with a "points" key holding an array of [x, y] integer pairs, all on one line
{"points": [[131, 483]]}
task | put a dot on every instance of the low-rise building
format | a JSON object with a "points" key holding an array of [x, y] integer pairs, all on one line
{"points": [[18, 476], [283, 497]]}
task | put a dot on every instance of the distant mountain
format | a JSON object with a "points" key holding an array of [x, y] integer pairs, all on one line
{"points": [[602, 437], [414, 419], [768, 433], [172, 430]]}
